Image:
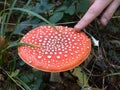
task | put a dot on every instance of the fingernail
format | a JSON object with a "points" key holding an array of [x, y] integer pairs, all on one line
{"points": [[104, 21]]}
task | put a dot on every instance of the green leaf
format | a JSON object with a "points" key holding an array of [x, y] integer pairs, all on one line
{"points": [[15, 73], [23, 83], [56, 17], [43, 6], [61, 8], [82, 6], [82, 77], [23, 25], [37, 80], [71, 10], [26, 77], [34, 14], [33, 80]]}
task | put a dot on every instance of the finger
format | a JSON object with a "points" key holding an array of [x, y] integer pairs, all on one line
{"points": [[107, 15], [97, 7]]}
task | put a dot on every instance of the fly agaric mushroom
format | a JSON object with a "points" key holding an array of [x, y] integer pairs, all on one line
{"points": [[58, 51]]}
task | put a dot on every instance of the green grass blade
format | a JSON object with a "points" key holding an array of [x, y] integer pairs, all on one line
{"points": [[8, 17], [34, 14], [17, 43], [2, 2], [16, 82], [2, 25], [19, 18], [113, 74], [23, 84]]}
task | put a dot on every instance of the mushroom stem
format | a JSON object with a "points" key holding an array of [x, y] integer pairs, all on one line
{"points": [[55, 77]]}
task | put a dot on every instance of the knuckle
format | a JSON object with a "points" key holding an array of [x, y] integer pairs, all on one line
{"points": [[92, 10], [108, 15], [118, 1]]}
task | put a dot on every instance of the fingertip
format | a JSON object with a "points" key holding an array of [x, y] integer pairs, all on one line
{"points": [[77, 28], [109, 12], [104, 21]]}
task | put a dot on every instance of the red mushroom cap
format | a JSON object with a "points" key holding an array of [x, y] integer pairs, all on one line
{"points": [[60, 51]]}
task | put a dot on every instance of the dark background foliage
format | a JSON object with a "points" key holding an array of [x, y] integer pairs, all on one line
{"points": [[100, 71]]}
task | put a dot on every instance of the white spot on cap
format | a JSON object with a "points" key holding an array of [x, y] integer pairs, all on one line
{"points": [[39, 56], [72, 58], [51, 52], [30, 62], [58, 66], [59, 49], [76, 51], [73, 40], [58, 57], [60, 52], [66, 51], [63, 50], [75, 37], [73, 46], [49, 34], [51, 31], [48, 62], [88, 47], [49, 56], [55, 52], [65, 55], [70, 49], [49, 27], [40, 40], [81, 48], [69, 39], [83, 52], [75, 43], [71, 53], [33, 37], [46, 52], [33, 53], [52, 36], [41, 36]]}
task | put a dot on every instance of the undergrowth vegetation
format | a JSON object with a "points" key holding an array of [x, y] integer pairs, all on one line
{"points": [[101, 71]]}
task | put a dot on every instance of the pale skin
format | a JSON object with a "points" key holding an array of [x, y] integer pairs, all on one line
{"points": [[106, 8]]}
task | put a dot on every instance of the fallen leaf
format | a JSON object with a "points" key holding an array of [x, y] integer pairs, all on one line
{"points": [[82, 77], [96, 89], [3, 43]]}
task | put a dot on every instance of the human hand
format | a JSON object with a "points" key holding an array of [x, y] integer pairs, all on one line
{"points": [[106, 7]]}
